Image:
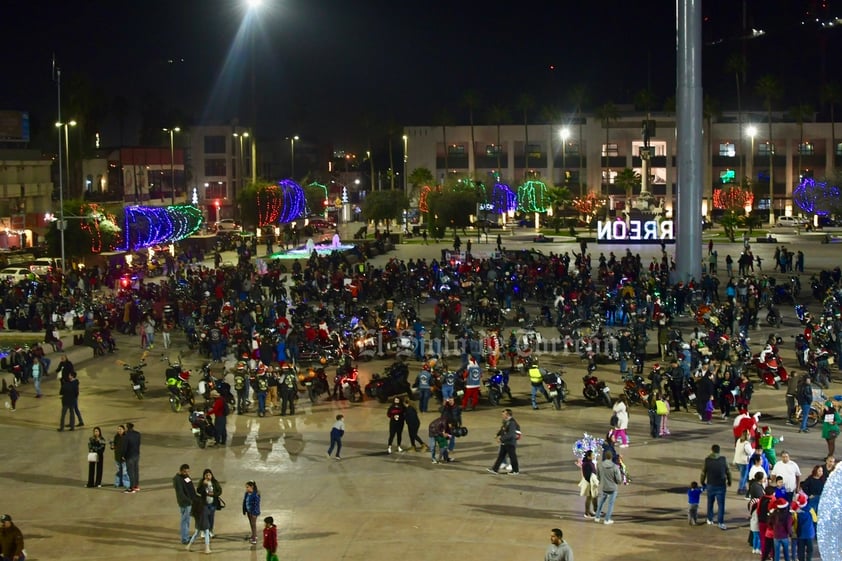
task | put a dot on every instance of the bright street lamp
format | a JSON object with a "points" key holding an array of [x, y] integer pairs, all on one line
{"points": [[171, 132], [405, 154], [565, 134], [61, 223]]}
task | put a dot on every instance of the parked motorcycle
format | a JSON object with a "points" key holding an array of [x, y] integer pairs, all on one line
{"points": [[178, 384], [202, 427], [393, 382], [315, 383], [636, 389], [773, 316], [595, 390], [136, 376], [350, 384], [498, 385], [556, 387]]}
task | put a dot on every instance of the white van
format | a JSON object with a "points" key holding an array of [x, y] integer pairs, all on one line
{"points": [[790, 221]]}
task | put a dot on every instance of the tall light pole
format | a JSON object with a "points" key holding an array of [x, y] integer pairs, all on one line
{"points": [[565, 134], [240, 165], [751, 131], [405, 154], [292, 140], [171, 132], [61, 222]]}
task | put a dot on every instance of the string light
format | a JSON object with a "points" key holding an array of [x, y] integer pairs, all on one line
{"points": [[816, 197], [503, 199], [531, 196], [294, 201], [422, 199], [159, 225], [732, 198], [829, 531], [585, 444], [269, 203]]}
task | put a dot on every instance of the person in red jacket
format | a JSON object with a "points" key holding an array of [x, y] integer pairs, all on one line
{"points": [[270, 538], [219, 412]]}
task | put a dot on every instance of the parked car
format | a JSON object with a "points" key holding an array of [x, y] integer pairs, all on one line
{"points": [[791, 222], [486, 224], [16, 274], [321, 224], [41, 267], [228, 224]]}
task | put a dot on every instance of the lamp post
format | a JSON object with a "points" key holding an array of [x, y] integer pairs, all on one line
{"points": [[405, 155], [292, 140], [172, 132], [751, 131], [565, 134], [61, 223], [240, 165]]}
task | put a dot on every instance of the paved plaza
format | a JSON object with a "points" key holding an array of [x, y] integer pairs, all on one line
{"points": [[372, 506]]}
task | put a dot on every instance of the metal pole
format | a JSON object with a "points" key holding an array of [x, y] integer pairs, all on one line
{"points": [[292, 157], [688, 250], [172, 166], [67, 157], [60, 177]]}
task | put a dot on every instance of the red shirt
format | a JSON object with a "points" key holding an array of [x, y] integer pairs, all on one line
{"points": [[270, 538]]}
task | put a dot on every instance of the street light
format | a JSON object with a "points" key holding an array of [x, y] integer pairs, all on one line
{"points": [[61, 223], [565, 134], [292, 140], [172, 131], [405, 146], [751, 131], [240, 165]]}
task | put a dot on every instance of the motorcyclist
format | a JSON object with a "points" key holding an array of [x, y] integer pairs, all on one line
{"points": [[767, 353], [261, 388], [422, 381], [536, 379], [341, 372], [289, 390], [241, 386]]}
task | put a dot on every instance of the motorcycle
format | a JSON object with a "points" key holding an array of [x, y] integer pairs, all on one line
{"points": [[773, 316], [636, 389], [181, 393], [405, 345], [315, 383], [202, 427], [595, 390], [498, 384], [771, 371], [394, 382], [136, 376], [350, 385], [365, 346], [556, 387]]}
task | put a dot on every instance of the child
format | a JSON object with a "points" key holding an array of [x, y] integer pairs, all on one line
{"points": [[780, 490], [694, 495], [13, 396], [444, 456], [336, 434], [199, 510], [662, 409], [754, 525], [270, 538], [709, 407], [251, 508], [806, 528], [768, 443]]}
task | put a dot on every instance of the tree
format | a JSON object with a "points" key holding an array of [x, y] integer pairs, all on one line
{"points": [[733, 200], [315, 195], [524, 104], [832, 95], [770, 90], [89, 228], [578, 97], [752, 222], [391, 130], [384, 205], [470, 99], [588, 206], [443, 119], [644, 100], [628, 180], [447, 208], [498, 115], [559, 196], [607, 114], [418, 178]]}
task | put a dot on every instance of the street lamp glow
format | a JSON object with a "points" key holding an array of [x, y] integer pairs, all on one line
{"points": [[751, 131], [254, 4], [565, 134]]}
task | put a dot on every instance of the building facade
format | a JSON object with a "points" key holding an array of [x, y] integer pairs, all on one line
{"points": [[586, 156], [26, 189]]}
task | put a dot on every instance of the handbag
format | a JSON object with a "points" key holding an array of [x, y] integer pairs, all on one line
{"points": [[93, 457], [221, 504]]}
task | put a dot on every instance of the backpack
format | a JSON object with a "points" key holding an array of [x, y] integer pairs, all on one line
{"points": [[615, 421]]}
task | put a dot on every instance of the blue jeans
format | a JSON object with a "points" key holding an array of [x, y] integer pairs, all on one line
{"points": [[211, 516], [744, 469], [261, 402], [436, 344], [185, 523], [805, 548], [535, 389], [805, 414], [606, 500], [716, 493], [423, 399], [37, 381], [446, 392], [782, 545], [121, 476], [335, 441]]}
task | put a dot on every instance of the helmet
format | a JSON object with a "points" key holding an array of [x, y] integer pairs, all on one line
{"points": [[656, 366], [184, 375]]}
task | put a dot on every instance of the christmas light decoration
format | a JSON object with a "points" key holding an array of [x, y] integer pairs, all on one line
{"points": [[422, 198], [294, 201], [345, 199], [732, 198], [148, 226], [194, 200], [270, 201], [829, 530], [503, 199], [532, 196], [585, 444], [816, 197]]}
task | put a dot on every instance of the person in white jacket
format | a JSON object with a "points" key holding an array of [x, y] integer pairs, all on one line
{"points": [[621, 410], [743, 451]]}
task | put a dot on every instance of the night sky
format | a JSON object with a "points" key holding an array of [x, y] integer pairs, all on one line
{"points": [[325, 68]]}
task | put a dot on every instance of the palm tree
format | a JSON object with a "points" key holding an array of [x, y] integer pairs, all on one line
{"points": [[578, 97], [832, 94], [770, 90], [470, 99], [524, 103], [391, 130], [736, 65], [498, 115], [443, 119], [607, 114], [801, 113], [710, 111], [628, 180]]}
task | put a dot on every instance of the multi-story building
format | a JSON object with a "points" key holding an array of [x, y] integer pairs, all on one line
{"points": [[220, 158], [589, 154], [26, 188], [145, 175]]}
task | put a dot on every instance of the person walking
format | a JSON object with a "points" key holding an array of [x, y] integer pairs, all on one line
{"points": [[251, 508], [199, 511], [270, 538], [185, 494], [716, 475], [11, 540], [131, 456], [589, 484], [805, 401], [413, 424], [337, 431], [219, 411], [610, 479], [211, 492], [558, 550], [121, 477], [69, 397], [397, 419], [831, 420], [507, 436], [96, 451]]}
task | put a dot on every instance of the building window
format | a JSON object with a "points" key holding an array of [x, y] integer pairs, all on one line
{"points": [[806, 149], [571, 148], [215, 167], [727, 149], [608, 176], [839, 148], [766, 149], [214, 145], [216, 190], [728, 176], [533, 150], [493, 150], [456, 149], [610, 150]]}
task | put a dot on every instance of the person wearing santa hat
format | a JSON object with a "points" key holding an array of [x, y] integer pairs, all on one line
{"points": [[781, 522], [806, 528]]}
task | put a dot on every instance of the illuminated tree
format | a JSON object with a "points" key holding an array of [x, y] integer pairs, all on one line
{"points": [[733, 198], [385, 206], [532, 196], [816, 197], [589, 206]]}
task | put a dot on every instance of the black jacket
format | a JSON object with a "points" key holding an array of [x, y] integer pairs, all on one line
{"points": [[69, 392], [131, 444], [716, 472]]}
